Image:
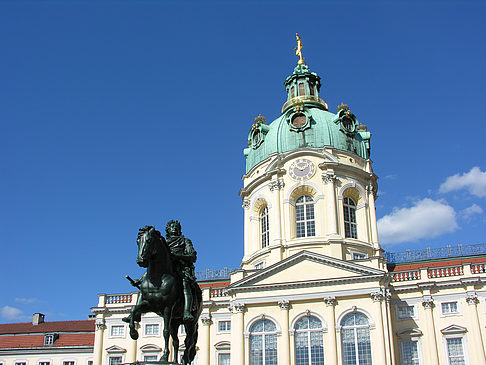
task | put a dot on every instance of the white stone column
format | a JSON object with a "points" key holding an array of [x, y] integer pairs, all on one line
{"points": [[331, 352], [246, 231], [99, 334], [275, 187], [430, 338], [204, 339], [373, 223], [380, 346], [237, 334], [478, 357], [329, 178], [391, 339], [285, 337]]}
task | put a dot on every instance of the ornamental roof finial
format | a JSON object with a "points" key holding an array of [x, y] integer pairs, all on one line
{"points": [[298, 50]]}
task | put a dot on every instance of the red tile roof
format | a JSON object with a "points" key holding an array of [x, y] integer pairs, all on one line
{"points": [[441, 263], [64, 340], [46, 327]]}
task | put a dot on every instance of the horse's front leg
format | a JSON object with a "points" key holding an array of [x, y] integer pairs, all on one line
{"points": [[136, 316], [174, 328], [167, 319]]}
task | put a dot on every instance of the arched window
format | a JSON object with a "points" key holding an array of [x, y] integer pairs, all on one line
{"points": [[355, 339], [264, 227], [309, 345], [304, 217], [350, 229], [263, 343]]}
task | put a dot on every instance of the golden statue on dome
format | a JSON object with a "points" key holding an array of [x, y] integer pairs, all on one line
{"points": [[298, 50]]}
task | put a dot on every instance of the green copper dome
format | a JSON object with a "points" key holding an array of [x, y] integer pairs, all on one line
{"points": [[306, 123]]}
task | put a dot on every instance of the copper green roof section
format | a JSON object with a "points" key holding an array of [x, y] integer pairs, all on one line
{"points": [[305, 122]]}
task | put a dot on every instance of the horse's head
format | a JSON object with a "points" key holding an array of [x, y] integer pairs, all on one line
{"points": [[147, 241]]}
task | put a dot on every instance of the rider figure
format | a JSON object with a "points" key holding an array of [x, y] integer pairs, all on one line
{"points": [[184, 258]]}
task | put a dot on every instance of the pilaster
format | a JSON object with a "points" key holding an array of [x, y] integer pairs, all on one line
{"points": [[204, 340], [478, 357], [329, 178], [332, 353], [380, 353], [237, 334], [99, 334], [285, 337], [430, 338]]}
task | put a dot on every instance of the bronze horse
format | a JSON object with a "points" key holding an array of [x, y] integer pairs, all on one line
{"points": [[161, 291]]}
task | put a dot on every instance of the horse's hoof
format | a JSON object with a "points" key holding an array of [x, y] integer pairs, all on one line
{"points": [[133, 334], [126, 319]]}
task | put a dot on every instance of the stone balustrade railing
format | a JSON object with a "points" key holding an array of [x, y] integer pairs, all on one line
{"points": [[406, 275], [217, 292], [119, 298]]}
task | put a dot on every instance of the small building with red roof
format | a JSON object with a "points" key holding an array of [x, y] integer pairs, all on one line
{"points": [[47, 343]]}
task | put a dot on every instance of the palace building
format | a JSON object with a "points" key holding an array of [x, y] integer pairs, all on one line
{"points": [[315, 287]]}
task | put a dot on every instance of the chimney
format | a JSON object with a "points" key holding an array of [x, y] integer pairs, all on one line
{"points": [[37, 319]]}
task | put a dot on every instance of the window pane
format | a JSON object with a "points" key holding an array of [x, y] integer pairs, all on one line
{"points": [[348, 347], [410, 353], [455, 352], [301, 348], [224, 359], [256, 350], [317, 348]]}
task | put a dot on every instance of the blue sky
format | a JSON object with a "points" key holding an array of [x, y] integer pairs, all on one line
{"points": [[117, 114]]}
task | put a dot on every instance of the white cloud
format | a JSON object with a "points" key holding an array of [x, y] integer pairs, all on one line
{"points": [[427, 218], [11, 313], [470, 211], [26, 300], [474, 181]]}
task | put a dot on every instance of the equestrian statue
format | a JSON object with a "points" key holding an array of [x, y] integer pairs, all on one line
{"points": [[168, 288]]}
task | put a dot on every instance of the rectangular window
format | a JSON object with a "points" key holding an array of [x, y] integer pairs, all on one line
{"points": [[406, 311], [150, 358], [224, 359], [224, 326], [449, 308], [20, 363], [259, 265], [49, 339], [152, 329], [68, 363], [115, 360], [292, 92], [455, 351], [410, 354], [90, 362], [359, 255], [44, 363], [117, 331]]}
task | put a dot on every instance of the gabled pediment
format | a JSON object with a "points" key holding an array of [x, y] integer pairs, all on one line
{"points": [[306, 267], [150, 347], [453, 329], [115, 349], [411, 332]]}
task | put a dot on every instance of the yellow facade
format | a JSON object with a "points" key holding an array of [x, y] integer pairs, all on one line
{"points": [[314, 287]]}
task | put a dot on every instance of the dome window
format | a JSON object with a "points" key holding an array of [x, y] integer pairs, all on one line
{"points": [[301, 89], [347, 120], [299, 120], [257, 132]]}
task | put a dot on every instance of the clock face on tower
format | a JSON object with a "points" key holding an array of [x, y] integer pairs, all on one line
{"points": [[302, 169]]}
